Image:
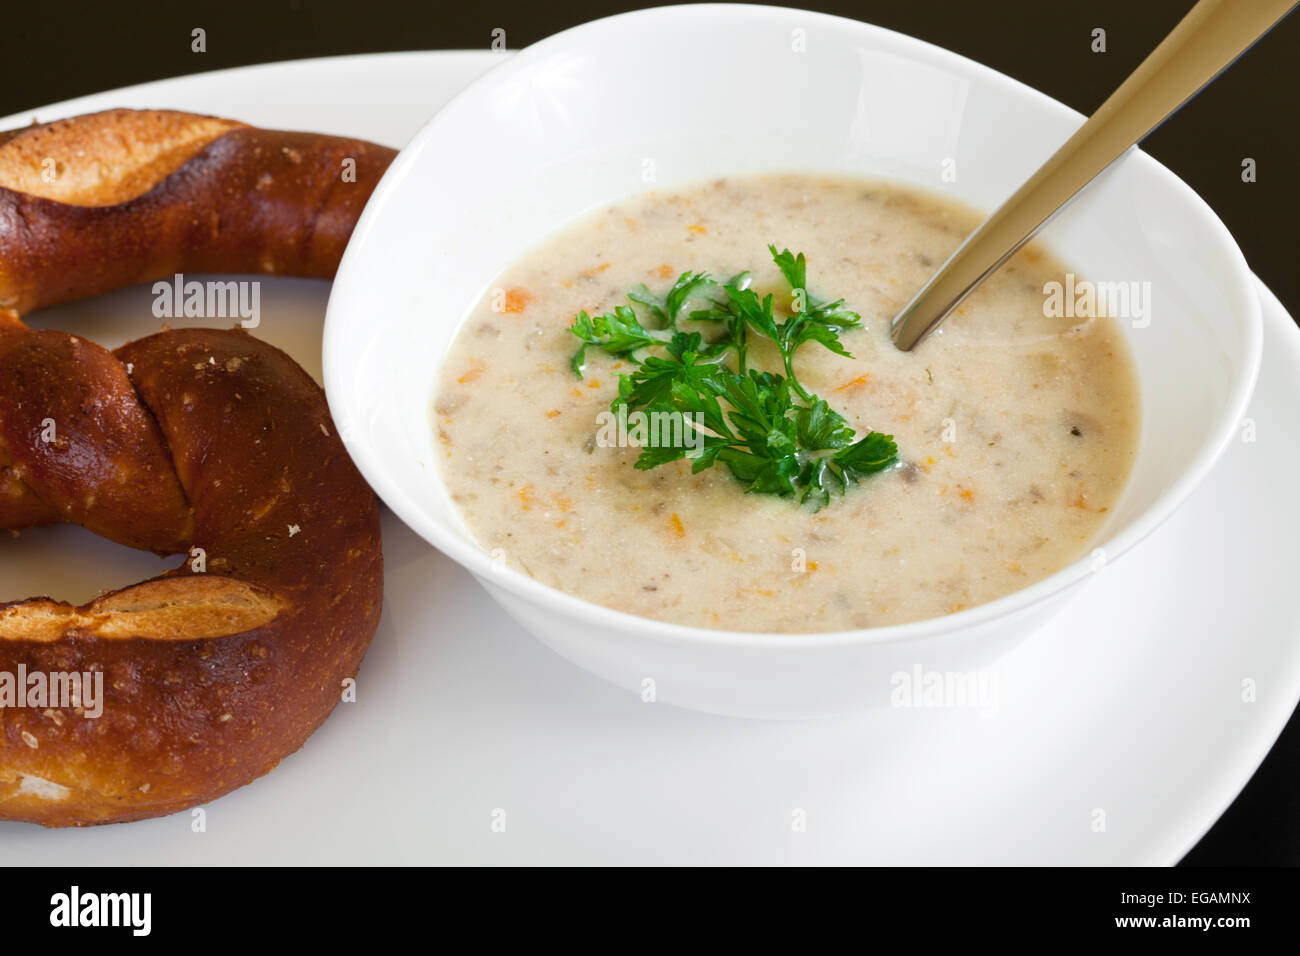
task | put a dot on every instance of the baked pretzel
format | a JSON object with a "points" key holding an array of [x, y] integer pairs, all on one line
{"points": [[207, 443], [100, 201], [213, 444]]}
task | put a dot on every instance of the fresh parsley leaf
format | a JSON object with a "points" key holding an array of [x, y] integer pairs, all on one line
{"points": [[772, 435], [794, 268], [755, 313], [819, 427], [871, 454], [668, 310], [619, 333], [644, 297], [688, 284]]}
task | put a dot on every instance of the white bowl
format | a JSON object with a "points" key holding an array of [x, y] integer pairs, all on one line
{"points": [[568, 124]]}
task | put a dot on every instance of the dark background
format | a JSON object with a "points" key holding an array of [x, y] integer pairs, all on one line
{"points": [[52, 52]]}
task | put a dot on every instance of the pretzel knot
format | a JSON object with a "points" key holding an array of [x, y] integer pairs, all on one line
{"points": [[216, 446]]}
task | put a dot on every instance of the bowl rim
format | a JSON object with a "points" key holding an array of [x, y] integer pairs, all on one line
{"points": [[480, 563]]}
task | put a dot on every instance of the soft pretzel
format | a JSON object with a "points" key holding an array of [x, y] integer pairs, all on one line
{"points": [[100, 201], [206, 443], [185, 440]]}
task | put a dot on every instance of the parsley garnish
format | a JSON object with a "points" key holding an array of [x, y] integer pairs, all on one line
{"points": [[772, 434]]}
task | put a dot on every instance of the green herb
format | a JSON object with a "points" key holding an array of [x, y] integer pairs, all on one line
{"points": [[770, 432]]}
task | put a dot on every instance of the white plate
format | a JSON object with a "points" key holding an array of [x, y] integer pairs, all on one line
{"points": [[1129, 702]]}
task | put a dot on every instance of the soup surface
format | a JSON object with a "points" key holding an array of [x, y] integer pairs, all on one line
{"points": [[1015, 431]]}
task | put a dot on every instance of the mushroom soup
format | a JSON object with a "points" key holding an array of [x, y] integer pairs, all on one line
{"points": [[1015, 430]]}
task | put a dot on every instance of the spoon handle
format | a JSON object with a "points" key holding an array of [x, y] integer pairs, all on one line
{"points": [[1205, 42]]}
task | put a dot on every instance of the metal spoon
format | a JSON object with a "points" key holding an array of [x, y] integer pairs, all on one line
{"points": [[1212, 35]]}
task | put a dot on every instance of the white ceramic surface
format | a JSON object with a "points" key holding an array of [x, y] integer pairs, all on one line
{"points": [[1129, 702], [570, 124]]}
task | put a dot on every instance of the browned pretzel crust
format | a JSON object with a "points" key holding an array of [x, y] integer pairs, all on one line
{"points": [[206, 443], [96, 202], [191, 438]]}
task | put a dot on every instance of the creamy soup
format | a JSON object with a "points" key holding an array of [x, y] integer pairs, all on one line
{"points": [[1015, 431]]}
